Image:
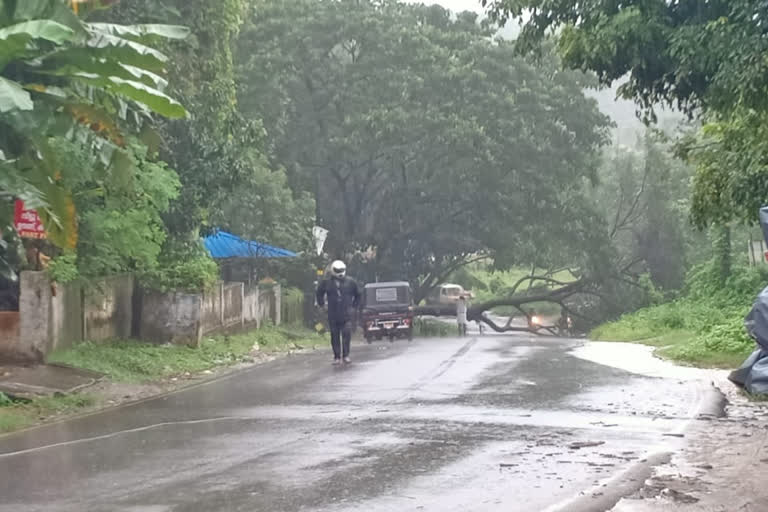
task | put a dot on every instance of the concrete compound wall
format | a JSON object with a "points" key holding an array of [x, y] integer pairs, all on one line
{"points": [[10, 329], [172, 317], [261, 305], [223, 307], [211, 309], [184, 318], [108, 308], [55, 316], [232, 304], [35, 305], [66, 320], [269, 305]]}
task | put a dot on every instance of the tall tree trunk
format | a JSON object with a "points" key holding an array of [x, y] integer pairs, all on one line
{"points": [[721, 245]]}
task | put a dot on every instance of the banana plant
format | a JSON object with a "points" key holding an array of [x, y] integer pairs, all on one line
{"points": [[62, 76]]}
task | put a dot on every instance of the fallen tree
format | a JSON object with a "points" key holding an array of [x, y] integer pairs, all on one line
{"points": [[559, 295]]}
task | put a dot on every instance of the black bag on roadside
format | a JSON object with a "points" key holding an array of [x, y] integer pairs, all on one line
{"points": [[753, 373]]}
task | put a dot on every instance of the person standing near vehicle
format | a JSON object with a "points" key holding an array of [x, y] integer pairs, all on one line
{"points": [[461, 315], [342, 295]]}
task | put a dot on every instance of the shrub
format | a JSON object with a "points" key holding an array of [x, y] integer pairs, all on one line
{"points": [[63, 268], [186, 267]]}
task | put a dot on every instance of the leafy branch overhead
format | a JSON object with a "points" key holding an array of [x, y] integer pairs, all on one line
{"points": [[706, 59], [60, 76]]}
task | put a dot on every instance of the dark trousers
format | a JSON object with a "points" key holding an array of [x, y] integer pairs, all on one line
{"points": [[341, 335]]}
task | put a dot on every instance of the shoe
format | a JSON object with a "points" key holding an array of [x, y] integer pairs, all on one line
{"points": [[347, 360], [336, 362]]}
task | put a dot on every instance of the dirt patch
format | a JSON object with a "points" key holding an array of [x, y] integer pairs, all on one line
{"points": [[722, 469]]}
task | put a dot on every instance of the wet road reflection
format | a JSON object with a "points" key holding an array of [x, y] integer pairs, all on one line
{"points": [[488, 424]]}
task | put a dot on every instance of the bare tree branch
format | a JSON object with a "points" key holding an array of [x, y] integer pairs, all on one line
{"points": [[475, 313], [632, 211]]}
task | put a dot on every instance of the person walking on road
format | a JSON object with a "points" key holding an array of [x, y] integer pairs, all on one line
{"points": [[461, 315], [342, 295]]}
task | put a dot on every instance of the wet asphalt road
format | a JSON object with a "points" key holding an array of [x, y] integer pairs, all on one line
{"points": [[475, 424]]}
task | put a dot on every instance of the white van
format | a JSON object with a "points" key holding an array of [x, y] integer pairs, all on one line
{"points": [[447, 294]]}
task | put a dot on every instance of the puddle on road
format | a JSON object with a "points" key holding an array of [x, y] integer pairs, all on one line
{"points": [[638, 359], [463, 414]]}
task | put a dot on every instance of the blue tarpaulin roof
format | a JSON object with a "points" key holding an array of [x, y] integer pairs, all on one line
{"points": [[223, 245]]}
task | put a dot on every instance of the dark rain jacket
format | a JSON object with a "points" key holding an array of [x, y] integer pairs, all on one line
{"points": [[342, 296]]}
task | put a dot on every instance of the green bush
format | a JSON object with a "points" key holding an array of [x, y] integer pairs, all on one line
{"points": [[63, 268], [744, 284], [186, 267], [709, 318], [730, 337], [5, 401]]}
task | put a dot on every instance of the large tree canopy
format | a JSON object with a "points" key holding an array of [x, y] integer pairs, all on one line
{"points": [[705, 58], [423, 139]]}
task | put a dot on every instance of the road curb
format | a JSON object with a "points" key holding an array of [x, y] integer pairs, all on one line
{"points": [[713, 404], [605, 496]]}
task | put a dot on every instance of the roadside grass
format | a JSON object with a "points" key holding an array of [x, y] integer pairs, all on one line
{"points": [[425, 327], [138, 362], [15, 415], [691, 332], [135, 361]]}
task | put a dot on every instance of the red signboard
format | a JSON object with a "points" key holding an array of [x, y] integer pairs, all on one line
{"points": [[27, 222]]}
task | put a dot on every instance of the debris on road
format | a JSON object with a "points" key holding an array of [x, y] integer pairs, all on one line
{"points": [[584, 444]]}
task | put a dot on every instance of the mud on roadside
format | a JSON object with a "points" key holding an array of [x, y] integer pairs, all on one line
{"points": [[722, 468]]}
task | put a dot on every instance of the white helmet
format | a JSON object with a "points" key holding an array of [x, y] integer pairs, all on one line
{"points": [[338, 268]]}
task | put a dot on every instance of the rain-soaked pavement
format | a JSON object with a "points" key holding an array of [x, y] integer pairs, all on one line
{"points": [[489, 423]]}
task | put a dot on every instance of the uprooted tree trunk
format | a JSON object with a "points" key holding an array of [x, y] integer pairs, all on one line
{"points": [[558, 295]]}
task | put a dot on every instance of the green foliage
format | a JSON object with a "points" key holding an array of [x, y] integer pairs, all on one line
{"points": [[133, 361], [706, 58], [686, 54], [227, 180], [729, 153], [60, 76], [721, 245], [425, 327], [421, 137], [710, 315], [182, 266], [119, 207], [703, 283], [15, 415], [11, 420], [63, 268]]}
